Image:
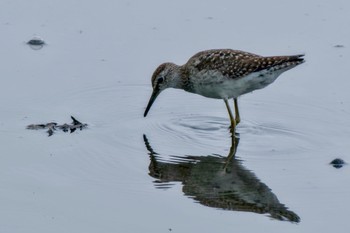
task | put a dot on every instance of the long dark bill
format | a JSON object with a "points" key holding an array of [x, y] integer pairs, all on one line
{"points": [[154, 95]]}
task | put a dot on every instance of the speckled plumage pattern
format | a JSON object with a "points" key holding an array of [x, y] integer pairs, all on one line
{"points": [[236, 64]]}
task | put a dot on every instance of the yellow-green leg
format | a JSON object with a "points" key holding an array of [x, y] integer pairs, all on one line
{"points": [[232, 119], [238, 118]]}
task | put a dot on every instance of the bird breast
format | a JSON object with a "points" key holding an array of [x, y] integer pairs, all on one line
{"points": [[213, 84]]}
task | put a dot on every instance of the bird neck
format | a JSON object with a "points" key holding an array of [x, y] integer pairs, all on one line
{"points": [[174, 77]]}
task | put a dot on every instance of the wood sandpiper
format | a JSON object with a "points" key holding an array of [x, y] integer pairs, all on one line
{"points": [[221, 74]]}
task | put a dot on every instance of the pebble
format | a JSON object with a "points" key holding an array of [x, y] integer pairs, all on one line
{"points": [[338, 163]]}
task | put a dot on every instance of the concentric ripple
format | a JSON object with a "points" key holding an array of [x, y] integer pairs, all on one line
{"points": [[267, 127], [281, 129]]}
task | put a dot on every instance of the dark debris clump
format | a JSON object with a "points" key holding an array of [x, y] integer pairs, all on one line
{"points": [[53, 126]]}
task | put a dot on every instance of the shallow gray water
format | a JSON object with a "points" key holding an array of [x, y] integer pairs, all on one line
{"points": [[169, 171]]}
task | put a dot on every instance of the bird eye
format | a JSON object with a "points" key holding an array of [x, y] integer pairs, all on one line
{"points": [[160, 80]]}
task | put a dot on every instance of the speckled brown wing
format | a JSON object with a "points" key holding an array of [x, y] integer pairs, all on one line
{"points": [[236, 64], [231, 63]]}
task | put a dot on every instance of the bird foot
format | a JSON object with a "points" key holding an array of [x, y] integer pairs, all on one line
{"points": [[232, 129], [238, 120]]}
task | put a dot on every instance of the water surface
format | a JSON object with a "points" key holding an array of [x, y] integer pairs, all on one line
{"points": [[170, 171]]}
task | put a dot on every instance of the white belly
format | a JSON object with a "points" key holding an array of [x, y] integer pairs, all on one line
{"points": [[214, 85]]}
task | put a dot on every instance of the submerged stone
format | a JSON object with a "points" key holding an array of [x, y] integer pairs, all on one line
{"points": [[36, 43], [338, 163]]}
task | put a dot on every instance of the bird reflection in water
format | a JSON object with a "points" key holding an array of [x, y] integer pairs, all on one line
{"points": [[219, 182]]}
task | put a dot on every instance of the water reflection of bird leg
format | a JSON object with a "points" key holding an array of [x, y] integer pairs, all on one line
{"points": [[233, 149]]}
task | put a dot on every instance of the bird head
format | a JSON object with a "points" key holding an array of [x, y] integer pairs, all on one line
{"points": [[162, 79]]}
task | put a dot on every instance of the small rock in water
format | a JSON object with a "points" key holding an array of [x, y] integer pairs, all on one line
{"points": [[339, 46], [36, 43], [338, 163]]}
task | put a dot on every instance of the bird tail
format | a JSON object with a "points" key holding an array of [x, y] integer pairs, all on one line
{"points": [[296, 58], [281, 62]]}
